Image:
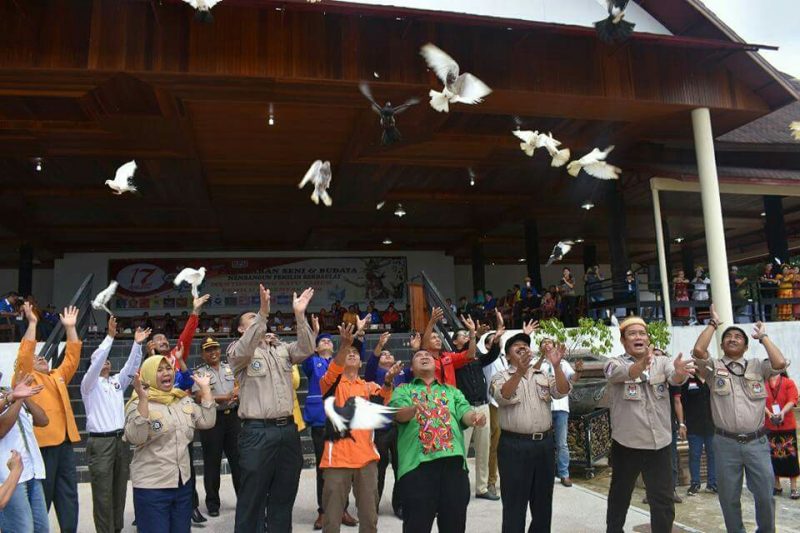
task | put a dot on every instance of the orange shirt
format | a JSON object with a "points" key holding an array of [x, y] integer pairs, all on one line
{"points": [[54, 399], [360, 450]]}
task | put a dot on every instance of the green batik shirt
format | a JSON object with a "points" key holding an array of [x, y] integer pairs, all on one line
{"points": [[436, 430]]}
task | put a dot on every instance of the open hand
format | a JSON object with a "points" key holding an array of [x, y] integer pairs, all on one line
{"points": [[30, 316], [469, 323], [112, 327], [362, 323], [759, 330], [684, 367], [394, 372], [530, 326], [263, 297], [315, 325], [197, 303], [24, 388], [140, 386], [69, 318], [345, 335], [300, 303], [415, 341], [555, 355], [436, 314], [140, 335], [150, 348], [203, 379]]}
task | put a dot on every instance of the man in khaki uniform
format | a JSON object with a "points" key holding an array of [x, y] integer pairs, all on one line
{"points": [[526, 451], [641, 429], [738, 394], [270, 458], [224, 436]]}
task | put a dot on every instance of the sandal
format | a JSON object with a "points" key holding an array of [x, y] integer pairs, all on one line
{"points": [[795, 494], [777, 490]]}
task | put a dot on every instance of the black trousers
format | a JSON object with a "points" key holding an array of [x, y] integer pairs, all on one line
{"points": [[270, 460], [656, 469], [61, 484], [224, 436], [386, 443], [318, 439], [435, 489], [527, 471], [193, 481]]}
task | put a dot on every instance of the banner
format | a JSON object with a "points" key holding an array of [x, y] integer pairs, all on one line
{"points": [[146, 284]]}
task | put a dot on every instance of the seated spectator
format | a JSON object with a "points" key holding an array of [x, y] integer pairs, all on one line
{"points": [[8, 305], [489, 304], [351, 316], [170, 326], [338, 312], [450, 305], [374, 315], [147, 322], [391, 317], [277, 321], [463, 306], [549, 308]]}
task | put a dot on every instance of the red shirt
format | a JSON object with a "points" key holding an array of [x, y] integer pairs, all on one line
{"points": [[185, 340], [390, 317], [783, 392], [447, 364]]}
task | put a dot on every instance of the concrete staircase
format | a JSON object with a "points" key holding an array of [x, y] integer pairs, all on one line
{"points": [[119, 354]]}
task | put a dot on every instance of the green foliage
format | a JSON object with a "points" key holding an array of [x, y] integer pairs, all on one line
{"points": [[659, 334], [592, 335]]}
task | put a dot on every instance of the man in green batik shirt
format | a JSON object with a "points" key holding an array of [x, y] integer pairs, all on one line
{"points": [[432, 468]]}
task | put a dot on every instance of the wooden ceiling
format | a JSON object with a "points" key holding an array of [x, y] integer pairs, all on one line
{"points": [[89, 84]]}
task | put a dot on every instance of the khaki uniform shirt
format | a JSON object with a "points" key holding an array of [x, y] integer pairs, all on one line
{"points": [[640, 408], [737, 401], [265, 372], [528, 409], [161, 454], [222, 383]]}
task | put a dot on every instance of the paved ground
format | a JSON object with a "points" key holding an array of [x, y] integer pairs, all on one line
{"points": [[580, 509]]}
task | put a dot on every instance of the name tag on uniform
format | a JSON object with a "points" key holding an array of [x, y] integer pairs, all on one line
{"points": [[723, 373], [693, 386], [758, 387], [631, 390], [228, 370]]}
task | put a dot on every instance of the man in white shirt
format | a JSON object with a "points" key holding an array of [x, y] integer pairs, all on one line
{"points": [[108, 455], [25, 511], [560, 409]]}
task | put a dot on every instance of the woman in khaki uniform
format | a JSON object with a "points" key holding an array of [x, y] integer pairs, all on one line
{"points": [[161, 430]]}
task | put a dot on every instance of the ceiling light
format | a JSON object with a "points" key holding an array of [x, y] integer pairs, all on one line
{"points": [[37, 164], [763, 213], [587, 205], [271, 120], [400, 212], [387, 241], [679, 239], [376, 75], [521, 259], [578, 240], [472, 177]]}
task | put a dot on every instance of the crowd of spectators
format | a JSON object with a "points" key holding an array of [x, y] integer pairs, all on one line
{"points": [[12, 319]]}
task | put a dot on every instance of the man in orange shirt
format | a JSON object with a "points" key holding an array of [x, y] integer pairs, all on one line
{"points": [[55, 440], [353, 460]]}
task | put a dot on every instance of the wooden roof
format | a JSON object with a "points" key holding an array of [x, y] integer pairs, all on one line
{"points": [[89, 84]]}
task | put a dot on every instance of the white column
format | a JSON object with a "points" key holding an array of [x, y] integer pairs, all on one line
{"points": [[662, 258], [712, 214]]}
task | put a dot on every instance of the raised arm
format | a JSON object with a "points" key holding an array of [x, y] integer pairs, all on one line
{"points": [[436, 315], [303, 347], [473, 337], [24, 362], [23, 390], [89, 381], [206, 411], [241, 351], [67, 368], [776, 360], [134, 358], [700, 350], [187, 335]]}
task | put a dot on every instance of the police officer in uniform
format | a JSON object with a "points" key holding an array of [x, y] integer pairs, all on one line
{"points": [[224, 436], [738, 394]]}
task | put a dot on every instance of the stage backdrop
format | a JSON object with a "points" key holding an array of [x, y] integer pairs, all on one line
{"points": [[146, 284]]}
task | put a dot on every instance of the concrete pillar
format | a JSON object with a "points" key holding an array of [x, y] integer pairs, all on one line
{"points": [[775, 229], [25, 280], [532, 261], [478, 268], [662, 258], [712, 214]]}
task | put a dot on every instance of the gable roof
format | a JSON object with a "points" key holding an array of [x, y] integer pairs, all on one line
{"points": [[769, 129]]}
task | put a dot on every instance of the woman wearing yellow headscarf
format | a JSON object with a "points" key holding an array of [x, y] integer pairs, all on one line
{"points": [[160, 421]]}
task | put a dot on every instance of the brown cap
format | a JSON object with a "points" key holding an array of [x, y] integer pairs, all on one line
{"points": [[210, 342], [630, 321]]}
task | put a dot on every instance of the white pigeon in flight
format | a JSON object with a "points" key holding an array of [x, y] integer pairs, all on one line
{"points": [[464, 88], [192, 277], [100, 301], [123, 179], [319, 174], [594, 164], [795, 129], [559, 251], [203, 8], [356, 413], [531, 140]]}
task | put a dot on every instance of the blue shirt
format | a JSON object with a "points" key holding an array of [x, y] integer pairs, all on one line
{"points": [[5, 306], [183, 380], [314, 368]]}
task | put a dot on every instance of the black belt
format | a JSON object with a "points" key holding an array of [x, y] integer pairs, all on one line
{"points": [[117, 433], [477, 404], [526, 436], [279, 422], [741, 438], [229, 410]]}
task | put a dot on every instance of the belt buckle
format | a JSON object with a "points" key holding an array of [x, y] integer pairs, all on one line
{"points": [[742, 438], [280, 422], [537, 436], [226, 412]]}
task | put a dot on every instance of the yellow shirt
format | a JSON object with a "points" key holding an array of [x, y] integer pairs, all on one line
{"points": [[297, 414]]}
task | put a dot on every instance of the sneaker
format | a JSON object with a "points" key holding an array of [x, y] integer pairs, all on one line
{"points": [[711, 488], [694, 488], [197, 516], [566, 481], [675, 497], [492, 490], [488, 496], [777, 490], [795, 494]]}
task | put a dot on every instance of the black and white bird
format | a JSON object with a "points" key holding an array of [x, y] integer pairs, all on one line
{"points": [[203, 8], [559, 251], [192, 277], [319, 174], [595, 165], [100, 302], [531, 140], [356, 413], [794, 127], [614, 27], [387, 112], [123, 179], [464, 88]]}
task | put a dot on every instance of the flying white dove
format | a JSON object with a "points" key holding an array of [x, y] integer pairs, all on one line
{"points": [[795, 128], [380, 205], [123, 179], [464, 88], [594, 164], [100, 301], [203, 8], [319, 174], [614, 27], [356, 413], [192, 277], [559, 251], [531, 140]]}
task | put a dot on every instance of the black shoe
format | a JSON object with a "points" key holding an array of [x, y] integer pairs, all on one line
{"points": [[675, 497], [213, 512], [711, 488], [488, 496], [694, 488], [198, 518]]}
